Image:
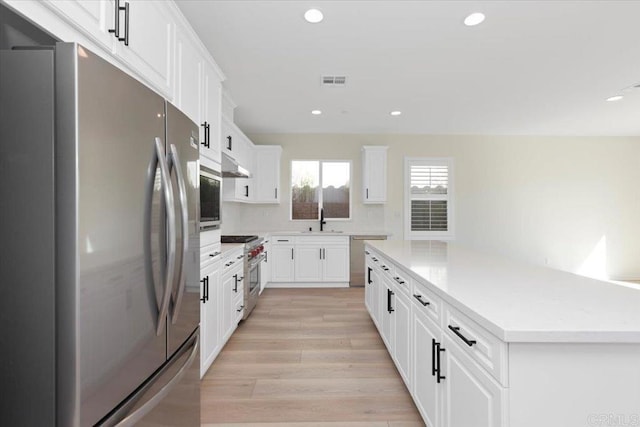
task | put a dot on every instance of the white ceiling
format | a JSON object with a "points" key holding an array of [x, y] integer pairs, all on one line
{"points": [[532, 68]]}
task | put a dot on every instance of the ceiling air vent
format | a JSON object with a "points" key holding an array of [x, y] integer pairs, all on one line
{"points": [[339, 81]]}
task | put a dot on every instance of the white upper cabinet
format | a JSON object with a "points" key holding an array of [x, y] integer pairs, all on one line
{"points": [[94, 17], [149, 31], [267, 173], [188, 76], [210, 121], [374, 174]]}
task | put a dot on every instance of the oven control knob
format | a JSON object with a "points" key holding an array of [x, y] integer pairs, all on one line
{"points": [[254, 252], [261, 248]]}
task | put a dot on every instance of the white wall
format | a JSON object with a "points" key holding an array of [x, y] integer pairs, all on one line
{"points": [[554, 200]]}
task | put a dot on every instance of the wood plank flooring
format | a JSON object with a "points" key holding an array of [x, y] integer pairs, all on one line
{"points": [[306, 358]]}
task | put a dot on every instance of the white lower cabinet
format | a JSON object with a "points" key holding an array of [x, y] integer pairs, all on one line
{"points": [[282, 260], [471, 396], [232, 292], [310, 259], [452, 383], [426, 389], [401, 330], [210, 308]]}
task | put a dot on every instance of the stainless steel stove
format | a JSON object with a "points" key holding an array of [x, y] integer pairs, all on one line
{"points": [[253, 256]]}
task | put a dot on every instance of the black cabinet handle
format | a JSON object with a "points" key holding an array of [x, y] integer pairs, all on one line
{"points": [[366, 252], [240, 309], [385, 268], [369, 275], [229, 141], [399, 280], [205, 125], [276, 190], [246, 191], [126, 25], [291, 253], [116, 21], [235, 287], [389, 295], [419, 298], [320, 253], [434, 369], [367, 193], [467, 341], [439, 367], [240, 279], [205, 289], [240, 257]]}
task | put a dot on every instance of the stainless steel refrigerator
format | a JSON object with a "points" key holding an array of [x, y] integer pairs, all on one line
{"points": [[99, 261]]}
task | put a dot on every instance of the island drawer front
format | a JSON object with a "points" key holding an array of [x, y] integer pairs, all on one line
{"points": [[427, 302], [386, 267], [402, 280], [209, 254], [485, 348]]}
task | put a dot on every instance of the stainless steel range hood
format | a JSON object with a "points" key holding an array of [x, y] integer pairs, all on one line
{"points": [[231, 168]]}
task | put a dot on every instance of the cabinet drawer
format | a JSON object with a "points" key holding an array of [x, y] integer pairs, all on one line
{"points": [[282, 240], [485, 348], [402, 281], [427, 302], [209, 254]]}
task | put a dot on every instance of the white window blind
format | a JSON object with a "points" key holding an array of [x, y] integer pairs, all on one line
{"points": [[429, 185]]}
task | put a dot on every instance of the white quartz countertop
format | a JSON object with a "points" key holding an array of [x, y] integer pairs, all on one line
{"points": [[519, 302], [327, 233]]}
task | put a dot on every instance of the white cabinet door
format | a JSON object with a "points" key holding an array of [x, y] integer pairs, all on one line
{"points": [[267, 173], [93, 17], [386, 300], [471, 396], [210, 316], [374, 178], [228, 285], [151, 40], [335, 264], [188, 76], [370, 290], [427, 393], [402, 335], [212, 96], [308, 263], [282, 263]]}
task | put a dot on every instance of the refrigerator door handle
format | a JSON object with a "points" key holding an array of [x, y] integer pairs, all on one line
{"points": [[159, 160], [122, 417], [174, 163]]}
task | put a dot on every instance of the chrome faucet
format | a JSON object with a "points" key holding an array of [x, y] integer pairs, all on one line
{"points": [[322, 221]]}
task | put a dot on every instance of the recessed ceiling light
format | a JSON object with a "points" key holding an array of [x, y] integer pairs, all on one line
{"points": [[474, 19], [316, 112], [313, 16], [615, 98], [395, 113]]}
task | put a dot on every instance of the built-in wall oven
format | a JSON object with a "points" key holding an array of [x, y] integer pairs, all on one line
{"points": [[210, 198]]}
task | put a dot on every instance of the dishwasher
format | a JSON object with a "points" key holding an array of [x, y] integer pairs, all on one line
{"points": [[356, 263]]}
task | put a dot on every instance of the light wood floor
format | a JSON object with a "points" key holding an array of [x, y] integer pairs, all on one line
{"points": [[306, 358]]}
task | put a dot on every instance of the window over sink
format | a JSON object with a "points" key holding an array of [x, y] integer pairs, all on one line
{"points": [[320, 184]]}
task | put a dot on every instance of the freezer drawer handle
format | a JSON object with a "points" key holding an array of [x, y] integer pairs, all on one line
{"points": [[158, 160], [179, 286], [133, 418], [467, 341]]}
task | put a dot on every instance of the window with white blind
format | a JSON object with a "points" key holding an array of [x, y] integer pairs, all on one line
{"points": [[428, 198]]}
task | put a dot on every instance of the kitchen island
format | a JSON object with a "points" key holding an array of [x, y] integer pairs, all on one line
{"points": [[482, 340]]}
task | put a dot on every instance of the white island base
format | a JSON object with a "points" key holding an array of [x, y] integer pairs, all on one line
{"points": [[482, 341]]}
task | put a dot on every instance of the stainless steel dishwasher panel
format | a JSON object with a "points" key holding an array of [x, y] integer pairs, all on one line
{"points": [[357, 257]]}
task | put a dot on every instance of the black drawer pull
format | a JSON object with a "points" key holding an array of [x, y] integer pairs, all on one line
{"points": [[240, 309], [399, 280], [467, 341], [369, 275], [419, 298]]}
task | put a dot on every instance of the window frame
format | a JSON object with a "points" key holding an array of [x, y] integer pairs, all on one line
{"points": [[320, 200], [429, 235]]}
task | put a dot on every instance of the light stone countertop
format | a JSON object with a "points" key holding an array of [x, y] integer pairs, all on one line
{"points": [[519, 302]]}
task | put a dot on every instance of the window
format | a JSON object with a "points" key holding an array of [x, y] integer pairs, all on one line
{"points": [[319, 185], [428, 198]]}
